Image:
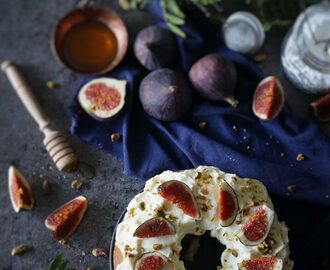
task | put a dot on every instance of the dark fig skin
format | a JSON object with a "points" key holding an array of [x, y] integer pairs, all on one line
{"points": [[165, 95], [155, 48], [214, 78]]}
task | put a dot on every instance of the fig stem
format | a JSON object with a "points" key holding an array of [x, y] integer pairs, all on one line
{"points": [[232, 101]]}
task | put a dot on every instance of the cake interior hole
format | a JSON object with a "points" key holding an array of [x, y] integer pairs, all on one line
{"points": [[201, 252]]}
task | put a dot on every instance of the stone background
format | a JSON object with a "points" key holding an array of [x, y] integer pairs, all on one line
{"points": [[25, 33]]}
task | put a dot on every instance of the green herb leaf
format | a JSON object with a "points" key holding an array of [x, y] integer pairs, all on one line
{"points": [[173, 8], [173, 19], [59, 264], [176, 30]]}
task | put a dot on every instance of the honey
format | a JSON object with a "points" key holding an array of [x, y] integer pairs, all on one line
{"points": [[89, 47]]}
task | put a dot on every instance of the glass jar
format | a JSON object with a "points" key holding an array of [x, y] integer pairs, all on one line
{"points": [[306, 49]]}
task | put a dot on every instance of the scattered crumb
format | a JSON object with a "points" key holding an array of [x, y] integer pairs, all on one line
{"points": [[260, 57], [115, 137], [282, 154], [300, 157], [202, 125], [62, 242], [46, 187], [90, 268], [292, 188], [157, 246], [83, 253], [76, 184], [100, 252], [327, 196], [234, 253], [52, 85], [19, 250]]}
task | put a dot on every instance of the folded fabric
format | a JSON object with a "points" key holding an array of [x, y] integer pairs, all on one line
{"points": [[234, 140]]}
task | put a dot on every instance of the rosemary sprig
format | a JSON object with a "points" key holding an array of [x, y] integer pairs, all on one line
{"points": [[59, 264]]}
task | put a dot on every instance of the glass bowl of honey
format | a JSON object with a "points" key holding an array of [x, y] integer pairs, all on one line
{"points": [[90, 40]]}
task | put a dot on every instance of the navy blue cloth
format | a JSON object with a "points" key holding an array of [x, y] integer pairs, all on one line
{"points": [[234, 140]]}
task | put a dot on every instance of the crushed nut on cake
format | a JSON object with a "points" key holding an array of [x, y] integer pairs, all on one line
{"points": [[157, 246]]}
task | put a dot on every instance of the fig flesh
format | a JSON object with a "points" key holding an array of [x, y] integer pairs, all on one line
{"points": [[155, 48], [65, 219], [263, 263], [154, 227], [151, 261], [181, 195], [321, 108], [268, 99], [102, 98], [256, 228], [19, 190], [214, 77], [228, 204], [165, 95]]}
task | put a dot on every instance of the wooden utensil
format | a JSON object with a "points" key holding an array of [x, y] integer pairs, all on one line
{"points": [[55, 143]]}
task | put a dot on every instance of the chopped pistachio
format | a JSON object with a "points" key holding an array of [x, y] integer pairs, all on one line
{"points": [[100, 252], [19, 250], [300, 157], [115, 137], [76, 184]]}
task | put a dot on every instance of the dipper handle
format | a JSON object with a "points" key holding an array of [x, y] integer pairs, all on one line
{"points": [[55, 143], [25, 93]]}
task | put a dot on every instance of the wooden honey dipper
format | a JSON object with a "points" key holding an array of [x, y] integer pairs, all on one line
{"points": [[55, 143]]}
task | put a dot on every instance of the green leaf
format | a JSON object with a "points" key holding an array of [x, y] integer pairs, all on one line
{"points": [[176, 30], [173, 19], [173, 7], [59, 264], [56, 262]]}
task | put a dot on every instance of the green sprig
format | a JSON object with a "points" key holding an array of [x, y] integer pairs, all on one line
{"points": [[59, 264]]}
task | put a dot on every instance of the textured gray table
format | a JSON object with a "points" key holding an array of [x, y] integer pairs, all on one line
{"points": [[25, 31]]}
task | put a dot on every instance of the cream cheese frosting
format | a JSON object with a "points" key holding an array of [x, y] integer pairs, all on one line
{"points": [[204, 182]]}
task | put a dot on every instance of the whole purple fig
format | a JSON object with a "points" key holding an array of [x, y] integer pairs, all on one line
{"points": [[155, 48], [214, 77], [165, 94]]}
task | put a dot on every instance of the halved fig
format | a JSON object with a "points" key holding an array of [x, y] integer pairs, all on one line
{"points": [[180, 194], [268, 98], [19, 190], [154, 227], [102, 98], [264, 263], [256, 228], [321, 108], [228, 204], [65, 219], [151, 261]]}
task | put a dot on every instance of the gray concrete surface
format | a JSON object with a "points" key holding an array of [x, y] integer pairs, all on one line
{"points": [[25, 32]]}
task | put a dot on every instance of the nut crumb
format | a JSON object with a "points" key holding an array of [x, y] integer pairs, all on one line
{"points": [[157, 246], [19, 250], [300, 157], [90, 268], [76, 184], [52, 85], [292, 188], [142, 206], [46, 187], [100, 252], [234, 253], [115, 137], [260, 57], [202, 125], [62, 241]]}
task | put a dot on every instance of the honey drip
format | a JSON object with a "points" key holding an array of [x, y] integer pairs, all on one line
{"points": [[89, 47]]}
